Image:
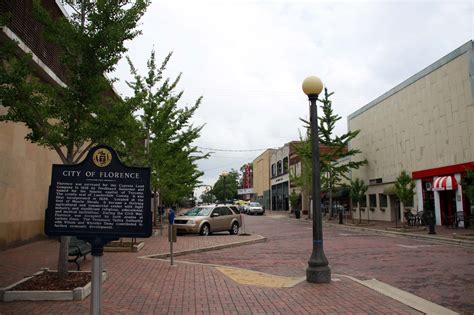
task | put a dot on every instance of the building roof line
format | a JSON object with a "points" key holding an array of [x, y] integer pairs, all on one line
{"points": [[434, 66]]}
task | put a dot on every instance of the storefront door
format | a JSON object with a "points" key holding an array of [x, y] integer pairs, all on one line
{"points": [[447, 201]]}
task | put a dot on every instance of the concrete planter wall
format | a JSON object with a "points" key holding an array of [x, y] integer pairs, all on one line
{"points": [[77, 294]]}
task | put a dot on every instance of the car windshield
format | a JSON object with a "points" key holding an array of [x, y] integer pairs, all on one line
{"points": [[198, 212], [255, 204]]}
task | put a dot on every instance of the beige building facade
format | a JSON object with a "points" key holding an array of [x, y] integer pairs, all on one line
{"points": [[261, 178], [425, 126], [25, 168]]}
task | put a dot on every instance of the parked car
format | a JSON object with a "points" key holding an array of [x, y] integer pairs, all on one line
{"points": [[208, 219], [255, 208]]}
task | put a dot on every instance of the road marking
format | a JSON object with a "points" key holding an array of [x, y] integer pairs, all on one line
{"points": [[404, 297]]}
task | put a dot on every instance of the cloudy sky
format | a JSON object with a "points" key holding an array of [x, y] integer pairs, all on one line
{"points": [[247, 58]]}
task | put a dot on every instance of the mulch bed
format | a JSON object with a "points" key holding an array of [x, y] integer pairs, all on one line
{"points": [[50, 281]]}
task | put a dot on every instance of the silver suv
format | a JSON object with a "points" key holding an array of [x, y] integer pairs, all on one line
{"points": [[207, 219]]}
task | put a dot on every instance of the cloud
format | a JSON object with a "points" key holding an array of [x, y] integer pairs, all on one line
{"points": [[248, 59]]}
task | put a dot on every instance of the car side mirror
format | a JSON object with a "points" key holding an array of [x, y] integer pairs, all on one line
{"points": [[215, 214]]}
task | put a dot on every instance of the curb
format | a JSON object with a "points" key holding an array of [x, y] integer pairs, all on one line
{"points": [[411, 300], [260, 239], [444, 240]]}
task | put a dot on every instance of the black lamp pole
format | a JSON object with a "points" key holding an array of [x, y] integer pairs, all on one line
{"points": [[318, 270], [225, 197], [224, 191]]}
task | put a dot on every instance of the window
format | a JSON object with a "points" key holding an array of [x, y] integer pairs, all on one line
{"points": [[279, 168], [225, 211], [363, 202], [373, 200], [273, 170], [285, 165], [383, 200]]}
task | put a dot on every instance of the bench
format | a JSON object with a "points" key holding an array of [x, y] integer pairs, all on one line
{"points": [[77, 249]]}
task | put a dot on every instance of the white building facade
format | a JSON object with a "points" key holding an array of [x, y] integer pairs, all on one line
{"points": [[425, 126]]}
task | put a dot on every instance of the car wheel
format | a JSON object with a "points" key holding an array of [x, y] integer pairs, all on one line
{"points": [[235, 229], [205, 230]]}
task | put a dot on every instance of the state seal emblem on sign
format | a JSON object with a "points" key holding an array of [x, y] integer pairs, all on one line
{"points": [[102, 157]]}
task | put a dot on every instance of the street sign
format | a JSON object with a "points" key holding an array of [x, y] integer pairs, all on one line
{"points": [[99, 197]]}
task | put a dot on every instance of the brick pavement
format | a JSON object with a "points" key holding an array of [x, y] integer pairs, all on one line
{"points": [[151, 286]]}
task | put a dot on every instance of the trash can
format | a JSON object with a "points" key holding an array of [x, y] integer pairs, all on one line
{"points": [[297, 213]]}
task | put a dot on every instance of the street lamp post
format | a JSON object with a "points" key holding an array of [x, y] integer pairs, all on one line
{"points": [[224, 174], [318, 267]]}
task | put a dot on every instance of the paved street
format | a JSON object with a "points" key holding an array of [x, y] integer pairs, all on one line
{"points": [[440, 273]]}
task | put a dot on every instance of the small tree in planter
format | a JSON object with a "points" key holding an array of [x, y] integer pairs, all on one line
{"points": [[357, 190], [467, 183], [294, 199], [404, 186]]}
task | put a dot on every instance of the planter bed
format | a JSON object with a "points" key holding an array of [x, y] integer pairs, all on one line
{"points": [[32, 288]]}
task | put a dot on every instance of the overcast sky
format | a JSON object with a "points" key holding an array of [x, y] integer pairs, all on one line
{"points": [[248, 59]]}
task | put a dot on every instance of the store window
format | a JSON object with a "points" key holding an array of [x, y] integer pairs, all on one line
{"points": [[373, 200], [383, 200]]}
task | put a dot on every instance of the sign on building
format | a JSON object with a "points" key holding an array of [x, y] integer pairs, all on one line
{"points": [[99, 197]]}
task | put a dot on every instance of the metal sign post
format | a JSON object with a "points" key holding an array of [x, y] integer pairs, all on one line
{"points": [[171, 236]]}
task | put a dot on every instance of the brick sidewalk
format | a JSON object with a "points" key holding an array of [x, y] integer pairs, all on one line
{"points": [[151, 286], [442, 232]]}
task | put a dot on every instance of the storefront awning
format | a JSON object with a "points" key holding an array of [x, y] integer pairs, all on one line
{"points": [[445, 183], [389, 190]]}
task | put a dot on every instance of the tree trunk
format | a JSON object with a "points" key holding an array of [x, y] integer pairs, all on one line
{"points": [[368, 212], [360, 214], [331, 213], [63, 257], [155, 208]]}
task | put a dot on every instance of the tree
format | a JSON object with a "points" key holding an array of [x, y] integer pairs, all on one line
{"points": [[467, 183], [404, 187], [231, 185], [304, 179], [168, 132], [71, 119], [337, 147], [357, 190]]}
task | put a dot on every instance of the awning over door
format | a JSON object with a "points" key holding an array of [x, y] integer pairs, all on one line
{"points": [[445, 183]]}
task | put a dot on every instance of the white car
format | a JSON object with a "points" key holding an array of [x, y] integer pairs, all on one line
{"points": [[255, 208]]}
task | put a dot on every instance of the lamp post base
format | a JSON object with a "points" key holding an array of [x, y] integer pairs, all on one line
{"points": [[318, 274]]}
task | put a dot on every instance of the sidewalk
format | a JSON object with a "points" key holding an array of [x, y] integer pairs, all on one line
{"points": [[140, 284], [444, 234]]}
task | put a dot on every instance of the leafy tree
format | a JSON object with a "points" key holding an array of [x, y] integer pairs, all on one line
{"points": [[467, 183], [231, 185], [72, 118], [304, 180], [294, 200], [404, 187], [357, 190], [168, 132], [337, 147]]}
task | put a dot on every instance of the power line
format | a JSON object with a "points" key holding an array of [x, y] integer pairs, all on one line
{"points": [[233, 150]]}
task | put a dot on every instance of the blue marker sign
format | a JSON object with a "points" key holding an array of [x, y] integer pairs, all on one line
{"points": [[171, 217]]}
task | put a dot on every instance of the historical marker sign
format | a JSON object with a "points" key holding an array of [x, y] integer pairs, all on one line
{"points": [[99, 197]]}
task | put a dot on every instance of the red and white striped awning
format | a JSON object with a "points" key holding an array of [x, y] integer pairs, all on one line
{"points": [[445, 183]]}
